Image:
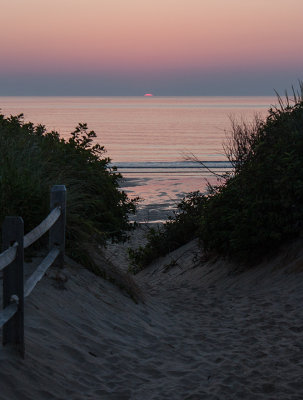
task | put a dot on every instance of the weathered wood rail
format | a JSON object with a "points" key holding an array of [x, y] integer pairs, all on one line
{"points": [[12, 263]]}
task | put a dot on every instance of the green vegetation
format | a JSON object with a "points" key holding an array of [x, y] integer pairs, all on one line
{"points": [[32, 160], [177, 231], [258, 206]]}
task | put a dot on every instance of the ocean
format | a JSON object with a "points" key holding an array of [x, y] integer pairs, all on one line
{"points": [[152, 140]]}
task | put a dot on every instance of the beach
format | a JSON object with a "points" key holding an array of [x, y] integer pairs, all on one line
{"points": [[197, 330], [118, 119], [186, 327]]}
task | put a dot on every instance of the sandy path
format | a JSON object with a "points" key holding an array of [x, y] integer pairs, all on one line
{"points": [[203, 333], [243, 332]]}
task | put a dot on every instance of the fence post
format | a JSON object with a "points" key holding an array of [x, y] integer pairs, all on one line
{"points": [[57, 231], [13, 282]]}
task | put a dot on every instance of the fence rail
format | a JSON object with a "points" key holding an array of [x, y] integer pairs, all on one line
{"points": [[42, 228], [8, 256], [12, 264], [40, 271], [8, 313]]}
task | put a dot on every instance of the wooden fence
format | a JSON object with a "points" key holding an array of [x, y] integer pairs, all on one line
{"points": [[12, 263]]}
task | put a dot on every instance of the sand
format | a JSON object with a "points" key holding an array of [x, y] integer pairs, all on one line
{"points": [[204, 331]]}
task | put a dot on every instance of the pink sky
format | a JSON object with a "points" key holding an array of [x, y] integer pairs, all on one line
{"points": [[164, 39]]}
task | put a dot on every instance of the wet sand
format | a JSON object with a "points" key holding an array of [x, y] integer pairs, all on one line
{"points": [[160, 194]]}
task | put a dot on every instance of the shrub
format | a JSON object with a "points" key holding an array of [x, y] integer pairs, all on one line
{"points": [[178, 230], [32, 160], [259, 205]]}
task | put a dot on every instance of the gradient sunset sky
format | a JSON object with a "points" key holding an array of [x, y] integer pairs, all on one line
{"points": [[166, 47]]}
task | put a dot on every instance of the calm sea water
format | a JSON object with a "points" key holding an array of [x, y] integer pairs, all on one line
{"points": [[149, 138]]}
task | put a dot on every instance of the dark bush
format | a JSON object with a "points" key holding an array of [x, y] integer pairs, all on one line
{"points": [[178, 230], [259, 206], [32, 160]]}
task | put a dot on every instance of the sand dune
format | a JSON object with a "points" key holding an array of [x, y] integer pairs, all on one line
{"points": [[204, 331]]}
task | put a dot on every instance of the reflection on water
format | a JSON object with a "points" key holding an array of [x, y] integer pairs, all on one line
{"points": [[137, 129], [144, 130], [161, 192]]}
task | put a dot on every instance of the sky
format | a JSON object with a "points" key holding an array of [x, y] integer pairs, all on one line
{"points": [[164, 47]]}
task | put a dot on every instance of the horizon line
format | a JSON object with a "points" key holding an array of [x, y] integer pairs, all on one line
{"points": [[138, 95]]}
